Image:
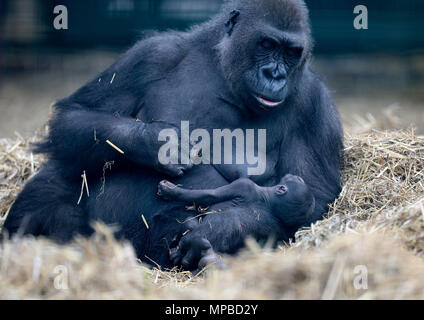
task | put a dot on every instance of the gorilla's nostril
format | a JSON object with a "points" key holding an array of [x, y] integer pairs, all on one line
{"points": [[268, 73], [271, 74], [277, 75]]}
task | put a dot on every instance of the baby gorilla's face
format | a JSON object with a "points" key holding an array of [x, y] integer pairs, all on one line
{"points": [[292, 199], [290, 186]]}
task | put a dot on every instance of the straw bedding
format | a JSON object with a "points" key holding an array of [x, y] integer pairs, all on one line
{"points": [[374, 231]]}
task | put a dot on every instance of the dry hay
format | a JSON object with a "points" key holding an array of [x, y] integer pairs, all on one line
{"points": [[17, 165], [377, 222], [332, 272], [382, 187], [102, 268]]}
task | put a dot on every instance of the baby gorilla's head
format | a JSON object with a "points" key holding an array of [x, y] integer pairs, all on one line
{"points": [[292, 201]]}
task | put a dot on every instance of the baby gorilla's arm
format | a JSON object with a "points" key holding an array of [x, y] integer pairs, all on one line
{"points": [[243, 188]]}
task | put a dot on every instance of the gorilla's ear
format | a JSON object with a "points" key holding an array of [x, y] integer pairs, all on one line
{"points": [[232, 21]]}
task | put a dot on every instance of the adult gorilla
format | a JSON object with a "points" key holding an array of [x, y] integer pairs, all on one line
{"points": [[246, 68]]}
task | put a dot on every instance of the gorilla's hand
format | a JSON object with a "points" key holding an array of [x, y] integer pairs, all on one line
{"points": [[148, 146], [195, 253]]}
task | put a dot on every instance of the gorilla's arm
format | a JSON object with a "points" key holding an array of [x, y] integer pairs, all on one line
{"points": [[79, 136], [106, 109], [227, 232], [314, 148]]}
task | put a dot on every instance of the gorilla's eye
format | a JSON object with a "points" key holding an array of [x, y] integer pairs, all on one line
{"points": [[268, 44], [294, 52]]}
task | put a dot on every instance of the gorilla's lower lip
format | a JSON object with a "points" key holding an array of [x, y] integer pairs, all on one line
{"points": [[268, 103]]}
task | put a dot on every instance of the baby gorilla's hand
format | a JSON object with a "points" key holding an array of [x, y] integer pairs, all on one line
{"points": [[167, 190], [195, 253]]}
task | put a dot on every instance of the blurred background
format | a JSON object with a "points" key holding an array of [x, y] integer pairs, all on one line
{"points": [[377, 74]]}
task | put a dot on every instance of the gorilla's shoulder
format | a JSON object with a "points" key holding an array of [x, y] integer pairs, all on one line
{"points": [[158, 49], [318, 91], [320, 104]]}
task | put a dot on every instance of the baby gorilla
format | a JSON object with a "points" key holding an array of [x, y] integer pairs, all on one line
{"points": [[290, 203]]}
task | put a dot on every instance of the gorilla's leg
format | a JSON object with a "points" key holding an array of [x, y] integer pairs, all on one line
{"points": [[47, 206], [126, 200]]}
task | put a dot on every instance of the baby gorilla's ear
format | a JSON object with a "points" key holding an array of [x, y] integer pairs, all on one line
{"points": [[281, 189]]}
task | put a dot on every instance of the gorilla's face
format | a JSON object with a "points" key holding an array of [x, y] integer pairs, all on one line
{"points": [[291, 196], [264, 51], [274, 57]]}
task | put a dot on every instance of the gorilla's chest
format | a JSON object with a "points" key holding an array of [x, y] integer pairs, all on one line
{"points": [[238, 146], [183, 99]]}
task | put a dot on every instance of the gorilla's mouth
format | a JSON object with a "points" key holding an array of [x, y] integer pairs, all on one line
{"points": [[267, 102]]}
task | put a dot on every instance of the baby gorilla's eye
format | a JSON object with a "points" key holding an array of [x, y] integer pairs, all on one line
{"points": [[282, 189]]}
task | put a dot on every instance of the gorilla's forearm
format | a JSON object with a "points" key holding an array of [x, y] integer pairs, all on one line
{"points": [[227, 231], [316, 154], [323, 198], [325, 185], [80, 137]]}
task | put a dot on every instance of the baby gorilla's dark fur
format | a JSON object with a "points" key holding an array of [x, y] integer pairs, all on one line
{"points": [[290, 202]]}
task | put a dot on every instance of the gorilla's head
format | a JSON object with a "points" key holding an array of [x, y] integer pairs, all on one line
{"points": [[264, 49], [291, 200]]}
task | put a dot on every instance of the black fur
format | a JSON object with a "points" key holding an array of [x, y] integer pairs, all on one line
{"points": [[279, 208], [213, 76]]}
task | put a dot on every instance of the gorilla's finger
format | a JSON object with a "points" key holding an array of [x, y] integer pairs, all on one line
{"points": [[176, 241], [207, 260], [188, 262], [196, 243], [203, 243], [175, 256], [185, 242]]}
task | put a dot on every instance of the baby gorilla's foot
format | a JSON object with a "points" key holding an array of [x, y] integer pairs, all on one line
{"points": [[167, 190]]}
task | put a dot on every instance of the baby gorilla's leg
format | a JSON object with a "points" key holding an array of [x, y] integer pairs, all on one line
{"points": [[169, 191]]}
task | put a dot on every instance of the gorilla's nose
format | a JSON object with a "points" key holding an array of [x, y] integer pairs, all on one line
{"points": [[273, 71]]}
